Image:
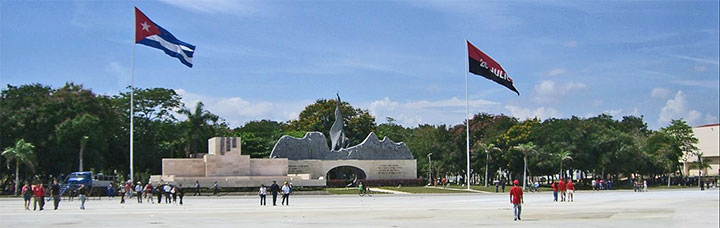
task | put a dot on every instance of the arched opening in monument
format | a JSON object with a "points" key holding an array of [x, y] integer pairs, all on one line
{"points": [[347, 173]]}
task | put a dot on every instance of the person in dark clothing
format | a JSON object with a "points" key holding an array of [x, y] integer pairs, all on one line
{"points": [[180, 193], [215, 188], [274, 189], [502, 185], [197, 188], [159, 193], [55, 193]]}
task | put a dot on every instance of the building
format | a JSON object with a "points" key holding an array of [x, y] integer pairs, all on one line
{"points": [[226, 165], [709, 145]]}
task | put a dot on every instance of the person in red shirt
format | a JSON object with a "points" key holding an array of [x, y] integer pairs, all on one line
{"points": [[570, 190], [516, 198], [38, 196], [555, 189], [561, 189]]}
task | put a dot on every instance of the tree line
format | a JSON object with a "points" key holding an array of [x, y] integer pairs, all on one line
{"points": [[60, 122]]}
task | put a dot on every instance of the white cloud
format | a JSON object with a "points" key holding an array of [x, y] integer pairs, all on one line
{"points": [[660, 93], [700, 68], [710, 119], [237, 110], [570, 44], [713, 61], [613, 112], [713, 84], [526, 113], [549, 91], [120, 72], [215, 6], [557, 71], [449, 111], [677, 108]]}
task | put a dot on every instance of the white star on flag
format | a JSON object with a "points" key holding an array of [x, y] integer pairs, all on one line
{"points": [[145, 26]]}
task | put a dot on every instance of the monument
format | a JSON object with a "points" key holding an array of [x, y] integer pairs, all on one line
{"points": [[303, 161], [372, 159], [226, 164]]}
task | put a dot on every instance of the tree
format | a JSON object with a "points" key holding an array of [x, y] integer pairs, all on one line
{"points": [[197, 124], [684, 139], [320, 116], [562, 156], [487, 148], [526, 149], [22, 153]]}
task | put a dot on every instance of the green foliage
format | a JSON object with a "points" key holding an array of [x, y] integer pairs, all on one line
{"points": [[320, 116], [55, 120]]}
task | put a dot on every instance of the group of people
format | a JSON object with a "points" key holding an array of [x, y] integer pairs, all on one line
{"points": [[169, 191], [601, 184], [37, 193], [286, 189], [566, 190]]}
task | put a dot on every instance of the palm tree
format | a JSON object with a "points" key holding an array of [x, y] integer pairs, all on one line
{"points": [[562, 156], [526, 149], [197, 122], [487, 148], [23, 153]]}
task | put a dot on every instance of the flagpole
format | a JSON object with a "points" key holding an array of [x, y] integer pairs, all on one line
{"points": [[132, 92], [467, 117]]}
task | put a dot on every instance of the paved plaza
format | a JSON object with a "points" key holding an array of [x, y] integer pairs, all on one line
{"points": [[662, 208]]}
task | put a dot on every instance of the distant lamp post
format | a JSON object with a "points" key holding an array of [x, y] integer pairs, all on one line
{"points": [[429, 169], [83, 142]]}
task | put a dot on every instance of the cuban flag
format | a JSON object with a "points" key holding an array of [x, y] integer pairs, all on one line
{"points": [[151, 34]]}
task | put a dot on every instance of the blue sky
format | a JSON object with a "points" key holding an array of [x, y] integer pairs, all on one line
{"points": [[403, 59]]}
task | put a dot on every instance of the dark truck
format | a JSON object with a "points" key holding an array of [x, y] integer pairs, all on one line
{"points": [[97, 183]]}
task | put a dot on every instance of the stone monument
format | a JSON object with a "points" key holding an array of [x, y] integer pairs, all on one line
{"points": [[371, 159]]}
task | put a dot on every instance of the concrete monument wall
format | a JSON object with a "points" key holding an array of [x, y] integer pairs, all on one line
{"points": [[192, 167], [374, 169]]}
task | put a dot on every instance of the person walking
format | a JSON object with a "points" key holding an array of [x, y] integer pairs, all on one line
{"points": [[516, 199], [173, 192], [166, 190], [197, 188], [554, 187], [215, 188], [27, 193], [644, 185], [180, 192], [148, 193], [286, 194], [38, 196], [139, 191], [110, 191], [263, 194], [502, 185], [570, 190], [159, 192], [274, 189], [55, 193], [81, 194], [561, 189], [128, 189], [122, 193]]}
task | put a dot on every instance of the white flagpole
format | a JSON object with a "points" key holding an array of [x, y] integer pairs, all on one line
{"points": [[467, 117], [132, 92]]}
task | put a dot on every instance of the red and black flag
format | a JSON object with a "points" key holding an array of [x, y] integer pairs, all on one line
{"points": [[481, 64]]}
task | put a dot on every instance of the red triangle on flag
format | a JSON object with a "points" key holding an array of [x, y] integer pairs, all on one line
{"points": [[144, 27]]}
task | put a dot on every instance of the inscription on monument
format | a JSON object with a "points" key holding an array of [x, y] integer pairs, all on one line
{"points": [[298, 168], [389, 169]]}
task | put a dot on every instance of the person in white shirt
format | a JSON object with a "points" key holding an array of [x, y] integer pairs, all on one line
{"points": [[263, 194], [138, 191], [286, 194], [167, 189]]}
